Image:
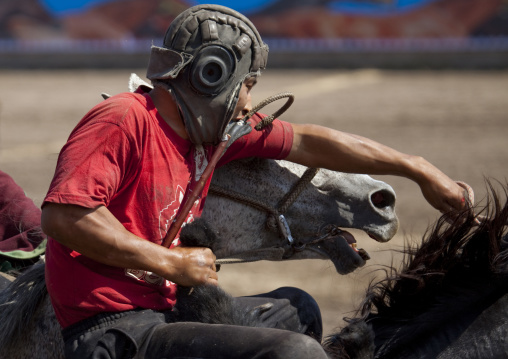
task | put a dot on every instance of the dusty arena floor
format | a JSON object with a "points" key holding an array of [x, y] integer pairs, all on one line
{"points": [[457, 120]]}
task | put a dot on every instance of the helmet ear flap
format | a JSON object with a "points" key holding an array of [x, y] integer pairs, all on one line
{"points": [[211, 69]]}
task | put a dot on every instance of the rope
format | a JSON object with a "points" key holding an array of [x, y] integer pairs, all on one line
{"points": [[234, 261], [290, 197], [237, 196], [286, 201], [270, 254], [269, 119]]}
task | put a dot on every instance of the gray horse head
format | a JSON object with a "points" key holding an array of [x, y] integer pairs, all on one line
{"points": [[331, 200]]}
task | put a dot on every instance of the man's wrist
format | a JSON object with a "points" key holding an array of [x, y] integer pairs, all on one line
{"points": [[415, 168]]}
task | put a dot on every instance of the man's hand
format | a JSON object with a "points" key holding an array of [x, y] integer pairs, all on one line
{"points": [[440, 191], [196, 266], [443, 194]]}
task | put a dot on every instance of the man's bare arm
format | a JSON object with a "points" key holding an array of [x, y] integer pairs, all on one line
{"points": [[317, 146], [97, 234]]}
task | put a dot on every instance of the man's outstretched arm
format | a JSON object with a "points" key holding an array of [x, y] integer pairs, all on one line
{"points": [[317, 146]]}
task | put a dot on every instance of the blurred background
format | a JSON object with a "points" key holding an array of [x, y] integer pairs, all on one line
{"points": [[300, 33], [426, 77]]}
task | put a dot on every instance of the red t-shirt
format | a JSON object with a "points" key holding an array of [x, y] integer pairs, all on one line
{"points": [[124, 156]]}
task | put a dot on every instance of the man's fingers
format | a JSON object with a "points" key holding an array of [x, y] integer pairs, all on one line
{"points": [[213, 278], [468, 193], [198, 266], [457, 200], [214, 282]]}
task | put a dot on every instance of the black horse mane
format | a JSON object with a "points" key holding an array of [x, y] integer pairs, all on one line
{"points": [[458, 270]]}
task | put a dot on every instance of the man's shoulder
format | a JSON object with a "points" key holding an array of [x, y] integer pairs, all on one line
{"points": [[126, 100], [121, 109]]}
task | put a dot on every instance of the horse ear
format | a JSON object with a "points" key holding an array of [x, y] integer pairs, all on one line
{"points": [[198, 234]]}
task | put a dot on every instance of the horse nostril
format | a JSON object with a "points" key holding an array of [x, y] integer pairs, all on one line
{"points": [[382, 199]]}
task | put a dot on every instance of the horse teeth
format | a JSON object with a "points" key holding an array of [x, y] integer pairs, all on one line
{"points": [[360, 251], [363, 253]]}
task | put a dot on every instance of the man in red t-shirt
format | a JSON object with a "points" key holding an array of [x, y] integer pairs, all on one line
{"points": [[125, 171]]}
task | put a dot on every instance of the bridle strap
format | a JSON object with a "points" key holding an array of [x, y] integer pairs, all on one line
{"points": [[283, 205], [297, 189], [261, 254], [239, 197]]}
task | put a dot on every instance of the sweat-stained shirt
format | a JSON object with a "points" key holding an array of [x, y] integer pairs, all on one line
{"points": [[124, 156]]}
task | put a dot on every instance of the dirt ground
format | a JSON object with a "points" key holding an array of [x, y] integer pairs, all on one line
{"points": [[456, 120]]}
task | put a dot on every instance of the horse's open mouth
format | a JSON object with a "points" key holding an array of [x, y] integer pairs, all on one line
{"points": [[350, 239], [341, 248]]}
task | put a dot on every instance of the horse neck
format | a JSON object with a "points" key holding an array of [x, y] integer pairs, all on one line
{"points": [[405, 331]]}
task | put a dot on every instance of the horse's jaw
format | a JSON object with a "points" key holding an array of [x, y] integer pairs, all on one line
{"points": [[339, 248]]}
